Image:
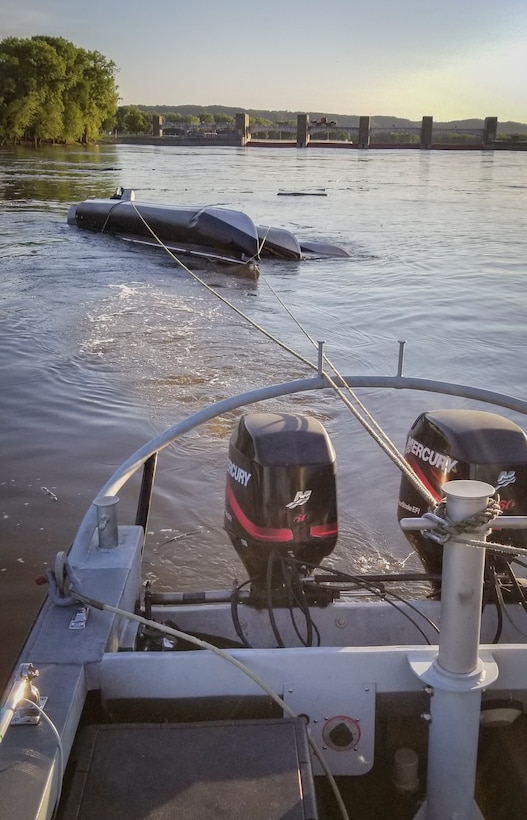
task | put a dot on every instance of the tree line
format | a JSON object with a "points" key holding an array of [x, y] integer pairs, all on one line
{"points": [[51, 90], [137, 119], [133, 119]]}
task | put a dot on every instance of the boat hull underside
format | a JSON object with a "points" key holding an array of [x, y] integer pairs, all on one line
{"points": [[215, 232], [222, 230]]}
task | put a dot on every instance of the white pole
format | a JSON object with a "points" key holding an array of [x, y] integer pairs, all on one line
{"points": [[457, 674], [462, 580]]}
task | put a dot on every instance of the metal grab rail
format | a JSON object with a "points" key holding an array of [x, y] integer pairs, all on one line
{"points": [[509, 522], [122, 475]]}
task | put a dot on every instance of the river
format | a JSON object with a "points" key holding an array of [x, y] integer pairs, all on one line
{"points": [[102, 345]]}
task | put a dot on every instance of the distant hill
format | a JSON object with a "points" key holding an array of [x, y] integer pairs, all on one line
{"points": [[350, 120]]}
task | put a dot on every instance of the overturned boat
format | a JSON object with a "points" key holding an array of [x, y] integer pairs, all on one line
{"points": [[200, 235], [303, 691]]}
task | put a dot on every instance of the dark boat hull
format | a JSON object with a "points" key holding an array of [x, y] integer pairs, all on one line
{"points": [[215, 227], [208, 234]]}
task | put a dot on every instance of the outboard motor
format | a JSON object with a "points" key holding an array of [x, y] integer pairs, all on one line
{"points": [[280, 499], [444, 445]]}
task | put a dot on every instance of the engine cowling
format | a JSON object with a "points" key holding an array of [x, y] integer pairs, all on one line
{"points": [[444, 445], [280, 496]]}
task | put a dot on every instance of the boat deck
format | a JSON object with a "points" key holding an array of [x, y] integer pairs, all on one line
{"points": [[258, 769]]}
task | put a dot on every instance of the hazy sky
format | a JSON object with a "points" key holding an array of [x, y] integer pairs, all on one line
{"points": [[446, 58]]}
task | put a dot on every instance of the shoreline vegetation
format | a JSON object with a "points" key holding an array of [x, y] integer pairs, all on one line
{"points": [[268, 133], [52, 92]]}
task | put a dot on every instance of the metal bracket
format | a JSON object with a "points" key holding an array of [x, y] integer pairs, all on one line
{"points": [[24, 717]]}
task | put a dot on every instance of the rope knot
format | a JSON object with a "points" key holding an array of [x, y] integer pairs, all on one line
{"points": [[473, 524]]}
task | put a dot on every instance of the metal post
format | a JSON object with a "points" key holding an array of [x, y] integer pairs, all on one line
{"points": [[107, 521], [321, 358], [457, 674], [400, 363], [462, 581]]}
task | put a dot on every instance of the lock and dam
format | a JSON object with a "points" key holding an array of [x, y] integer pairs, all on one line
{"points": [[321, 133]]}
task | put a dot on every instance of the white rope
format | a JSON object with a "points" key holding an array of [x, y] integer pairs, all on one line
{"points": [[367, 421], [445, 529], [504, 549], [60, 747]]}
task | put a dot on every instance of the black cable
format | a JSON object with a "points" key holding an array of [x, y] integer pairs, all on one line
{"points": [[517, 586], [516, 560], [269, 596], [303, 603], [494, 588], [296, 593], [383, 595], [234, 615]]}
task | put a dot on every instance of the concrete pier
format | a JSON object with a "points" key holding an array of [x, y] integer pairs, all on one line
{"points": [[364, 132], [157, 125], [490, 130], [427, 127], [243, 128], [302, 131]]}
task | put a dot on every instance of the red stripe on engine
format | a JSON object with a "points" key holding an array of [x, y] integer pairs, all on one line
{"points": [[324, 530], [263, 533], [422, 476]]}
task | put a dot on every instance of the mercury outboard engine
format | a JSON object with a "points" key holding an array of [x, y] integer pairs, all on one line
{"points": [[444, 445], [280, 499]]}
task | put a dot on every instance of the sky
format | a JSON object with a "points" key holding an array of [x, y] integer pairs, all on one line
{"points": [[450, 59]]}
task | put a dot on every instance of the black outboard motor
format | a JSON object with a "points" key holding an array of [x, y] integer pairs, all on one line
{"points": [[280, 497], [444, 445]]}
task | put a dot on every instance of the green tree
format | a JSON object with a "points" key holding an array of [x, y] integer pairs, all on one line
{"points": [[262, 121], [224, 119], [136, 122], [130, 119], [120, 118], [52, 90], [31, 77]]}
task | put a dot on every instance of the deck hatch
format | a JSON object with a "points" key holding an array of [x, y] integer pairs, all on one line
{"points": [[259, 769]]}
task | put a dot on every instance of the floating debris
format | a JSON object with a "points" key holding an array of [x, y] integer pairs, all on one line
{"points": [[50, 493], [179, 537], [302, 193]]}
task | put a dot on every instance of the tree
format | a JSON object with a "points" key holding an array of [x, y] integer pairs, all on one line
{"points": [[224, 119], [130, 119], [31, 74], [52, 90]]}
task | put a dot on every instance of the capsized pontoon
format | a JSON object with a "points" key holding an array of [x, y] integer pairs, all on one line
{"points": [[307, 692], [203, 234]]}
